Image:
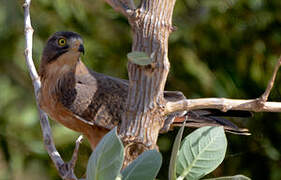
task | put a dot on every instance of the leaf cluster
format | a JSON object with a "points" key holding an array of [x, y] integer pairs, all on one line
{"points": [[200, 153]]}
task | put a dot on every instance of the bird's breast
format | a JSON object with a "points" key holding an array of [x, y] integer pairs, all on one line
{"points": [[49, 101]]}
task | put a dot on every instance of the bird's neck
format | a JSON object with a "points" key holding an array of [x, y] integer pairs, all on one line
{"points": [[58, 70], [80, 68], [56, 74]]}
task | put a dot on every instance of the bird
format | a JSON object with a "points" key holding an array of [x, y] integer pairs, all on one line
{"points": [[92, 103]]}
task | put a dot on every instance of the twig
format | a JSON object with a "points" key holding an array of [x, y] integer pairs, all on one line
{"points": [[74, 158], [270, 84], [222, 104], [63, 168], [126, 7]]}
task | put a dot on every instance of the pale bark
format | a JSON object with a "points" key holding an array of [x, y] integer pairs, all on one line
{"points": [[151, 25], [255, 105], [223, 104], [66, 170]]}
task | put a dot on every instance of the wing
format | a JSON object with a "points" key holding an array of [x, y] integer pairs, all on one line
{"points": [[94, 98], [108, 103]]}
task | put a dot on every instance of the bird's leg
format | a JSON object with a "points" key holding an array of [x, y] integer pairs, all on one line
{"points": [[172, 96]]}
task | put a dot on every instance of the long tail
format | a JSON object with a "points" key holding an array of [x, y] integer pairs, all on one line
{"points": [[209, 117]]}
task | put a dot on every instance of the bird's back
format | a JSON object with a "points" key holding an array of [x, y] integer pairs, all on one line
{"points": [[96, 98]]}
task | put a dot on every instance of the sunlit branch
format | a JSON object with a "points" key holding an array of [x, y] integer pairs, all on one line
{"points": [[224, 104], [65, 169], [270, 84]]}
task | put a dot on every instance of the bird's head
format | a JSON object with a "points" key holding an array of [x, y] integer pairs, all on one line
{"points": [[62, 51]]}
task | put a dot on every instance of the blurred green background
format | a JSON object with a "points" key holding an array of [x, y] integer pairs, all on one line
{"points": [[222, 48]]}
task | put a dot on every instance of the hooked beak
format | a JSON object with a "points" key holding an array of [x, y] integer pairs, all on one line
{"points": [[81, 49]]}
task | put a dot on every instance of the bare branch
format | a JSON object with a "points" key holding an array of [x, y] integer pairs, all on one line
{"points": [[74, 158], [223, 104], [126, 7], [270, 84], [65, 169], [254, 105], [28, 44]]}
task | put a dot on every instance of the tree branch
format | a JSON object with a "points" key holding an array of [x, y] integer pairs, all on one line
{"points": [[144, 118], [265, 95], [65, 169], [126, 7], [74, 158], [224, 104]]}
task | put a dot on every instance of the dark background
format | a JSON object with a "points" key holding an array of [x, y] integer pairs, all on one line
{"points": [[222, 48]]}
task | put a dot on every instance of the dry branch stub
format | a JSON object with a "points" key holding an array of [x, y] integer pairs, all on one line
{"points": [[145, 103]]}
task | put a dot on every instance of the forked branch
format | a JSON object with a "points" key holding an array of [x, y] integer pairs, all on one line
{"points": [[66, 170], [126, 7], [270, 84], [223, 104]]}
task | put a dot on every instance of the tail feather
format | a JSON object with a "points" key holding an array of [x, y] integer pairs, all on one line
{"points": [[218, 113], [195, 119]]}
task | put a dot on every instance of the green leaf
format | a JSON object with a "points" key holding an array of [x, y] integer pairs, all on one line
{"points": [[106, 161], [176, 146], [146, 166], [139, 58], [202, 152], [236, 177]]}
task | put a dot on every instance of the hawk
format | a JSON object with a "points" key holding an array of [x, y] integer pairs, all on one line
{"points": [[92, 103]]}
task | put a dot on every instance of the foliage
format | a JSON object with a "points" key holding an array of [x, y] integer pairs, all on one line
{"points": [[201, 152], [173, 158], [139, 58], [146, 166], [223, 48], [106, 161], [236, 177]]}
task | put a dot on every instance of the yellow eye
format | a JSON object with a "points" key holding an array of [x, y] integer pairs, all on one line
{"points": [[62, 42]]}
